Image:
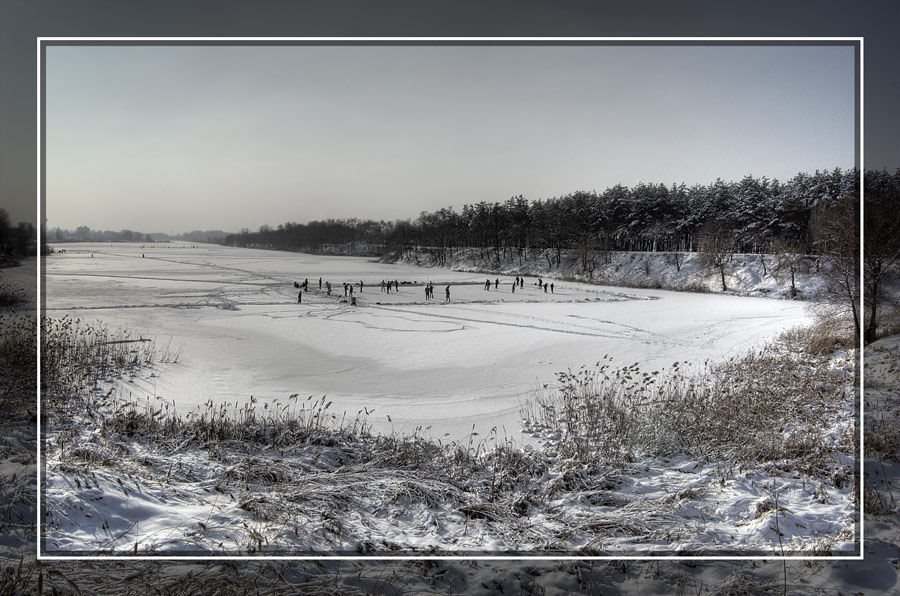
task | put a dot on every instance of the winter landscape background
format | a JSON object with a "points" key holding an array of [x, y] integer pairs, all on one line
{"points": [[468, 374], [749, 452]]}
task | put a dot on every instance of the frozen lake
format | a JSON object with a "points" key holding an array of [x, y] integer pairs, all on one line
{"points": [[471, 361]]}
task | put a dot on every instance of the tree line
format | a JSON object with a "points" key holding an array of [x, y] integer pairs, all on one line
{"points": [[86, 234], [751, 215], [16, 240]]}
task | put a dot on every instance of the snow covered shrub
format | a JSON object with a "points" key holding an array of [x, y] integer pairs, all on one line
{"points": [[11, 296], [768, 406], [828, 334], [890, 322]]}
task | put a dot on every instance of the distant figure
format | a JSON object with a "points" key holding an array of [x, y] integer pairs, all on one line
{"points": [[522, 283], [382, 285], [328, 287], [320, 283], [514, 286], [306, 284], [426, 292], [299, 296], [142, 255], [448, 293], [360, 286], [396, 286], [540, 282], [487, 284], [551, 287], [350, 288], [296, 285], [545, 288], [497, 284]]}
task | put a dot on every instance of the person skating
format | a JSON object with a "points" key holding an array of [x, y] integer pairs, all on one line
{"points": [[551, 287], [448, 293], [300, 297]]}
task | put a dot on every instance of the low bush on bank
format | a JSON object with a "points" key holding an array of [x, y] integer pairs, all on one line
{"points": [[773, 405], [11, 296], [76, 355]]}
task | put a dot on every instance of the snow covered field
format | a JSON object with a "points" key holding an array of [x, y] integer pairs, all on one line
{"points": [[456, 372], [455, 367]]}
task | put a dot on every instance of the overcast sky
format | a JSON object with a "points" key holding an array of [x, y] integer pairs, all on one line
{"points": [[173, 138]]}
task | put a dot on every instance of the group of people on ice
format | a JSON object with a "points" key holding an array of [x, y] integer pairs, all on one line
{"points": [[519, 283], [304, 287], [429, 292], [388, 286]]}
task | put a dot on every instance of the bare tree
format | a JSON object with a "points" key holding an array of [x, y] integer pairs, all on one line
{"points": [[788, 258], [675, 257], [719, 247], [835, 234], [881, 242]]}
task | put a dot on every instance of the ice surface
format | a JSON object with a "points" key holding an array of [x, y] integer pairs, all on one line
{"points": [[455, 367]]}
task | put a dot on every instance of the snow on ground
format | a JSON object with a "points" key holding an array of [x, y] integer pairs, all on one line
{"points": [[118, 495], [233, 314], [451, 370], [876, 574]]}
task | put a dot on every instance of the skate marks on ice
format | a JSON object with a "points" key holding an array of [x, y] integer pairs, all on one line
{"points": [[402, 321], [466, 314]]}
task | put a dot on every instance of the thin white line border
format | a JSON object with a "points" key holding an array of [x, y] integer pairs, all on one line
{"points": [[859, 76]]}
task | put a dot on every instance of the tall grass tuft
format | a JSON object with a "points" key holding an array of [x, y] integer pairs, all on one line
{"points": [[76, 355], [767, 406]]}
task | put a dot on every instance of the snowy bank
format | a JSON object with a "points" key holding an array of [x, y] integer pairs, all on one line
{"points": [[745, 274]]}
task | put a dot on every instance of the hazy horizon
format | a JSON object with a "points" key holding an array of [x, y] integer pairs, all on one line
{"points": [[178, 138], [410, 217]]}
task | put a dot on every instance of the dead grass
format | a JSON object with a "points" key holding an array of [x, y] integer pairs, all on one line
{"points": [[11, 296], [829, 334], [768, 406], [889, 322]]}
